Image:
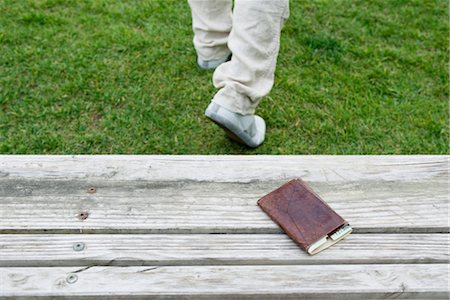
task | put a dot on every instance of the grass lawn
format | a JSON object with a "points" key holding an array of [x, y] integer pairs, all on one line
{"points": [[115, 76]]}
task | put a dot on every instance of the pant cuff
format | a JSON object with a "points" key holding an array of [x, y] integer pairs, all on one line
{"points": [[235, 101], [212, 53]]}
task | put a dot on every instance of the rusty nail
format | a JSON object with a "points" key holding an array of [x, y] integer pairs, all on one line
{"points": [[79, 246], [83, 215], [71, 278], [92, 190]]}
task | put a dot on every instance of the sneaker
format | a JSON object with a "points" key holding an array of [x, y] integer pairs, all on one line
{"points": [[212, 64], [248, 130]]}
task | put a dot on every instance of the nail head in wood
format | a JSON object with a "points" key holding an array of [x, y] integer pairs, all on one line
{"points": [[83, 215], [71, 278], [79, 246]]}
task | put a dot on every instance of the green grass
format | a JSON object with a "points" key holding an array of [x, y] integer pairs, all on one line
{"points": [[114, 76]]}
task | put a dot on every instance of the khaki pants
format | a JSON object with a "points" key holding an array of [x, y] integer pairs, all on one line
{"points": [[251, 32]]}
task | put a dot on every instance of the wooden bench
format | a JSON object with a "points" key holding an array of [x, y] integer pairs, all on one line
{"points": [[172, 226]]}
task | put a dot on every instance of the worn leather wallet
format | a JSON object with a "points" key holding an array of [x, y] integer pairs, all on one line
{"points": [[304, 216]]}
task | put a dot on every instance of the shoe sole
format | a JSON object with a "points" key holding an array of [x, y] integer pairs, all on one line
{"points": [[230, 134]]}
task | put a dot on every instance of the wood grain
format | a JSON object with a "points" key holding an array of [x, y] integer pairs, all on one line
{"points": [[192, 282], [191, 207], [215, 194], [180, 198], [223, 168], [215, 249]]}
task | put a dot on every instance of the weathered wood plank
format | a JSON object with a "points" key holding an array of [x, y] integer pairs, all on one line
{"points": [[222, 168], [199, 194], [348, 281], [216, 193], [216, 249], [142, 207]]}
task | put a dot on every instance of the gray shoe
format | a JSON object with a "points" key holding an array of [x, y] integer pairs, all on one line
{"points": [[245, 129], [212, 64]]}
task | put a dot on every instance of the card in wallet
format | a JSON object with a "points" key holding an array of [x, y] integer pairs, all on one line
{"points": [[304, 216]]}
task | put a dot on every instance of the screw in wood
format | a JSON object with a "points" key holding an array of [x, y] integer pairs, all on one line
{"points": [[92, 190], [79, 246], [83, 215], [71, 278]]}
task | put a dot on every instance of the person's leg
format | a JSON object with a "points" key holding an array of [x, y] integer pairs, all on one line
{"points": [[254, 42], [211, 23]]}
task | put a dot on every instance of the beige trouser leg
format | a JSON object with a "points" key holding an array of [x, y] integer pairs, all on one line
{"points": [[254, 42], [211, 22]]}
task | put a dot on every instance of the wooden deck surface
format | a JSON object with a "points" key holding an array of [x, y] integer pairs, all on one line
{"points": [[188, 226]]}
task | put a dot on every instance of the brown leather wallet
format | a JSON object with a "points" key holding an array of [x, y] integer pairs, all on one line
{"points": [[304, 216]]}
